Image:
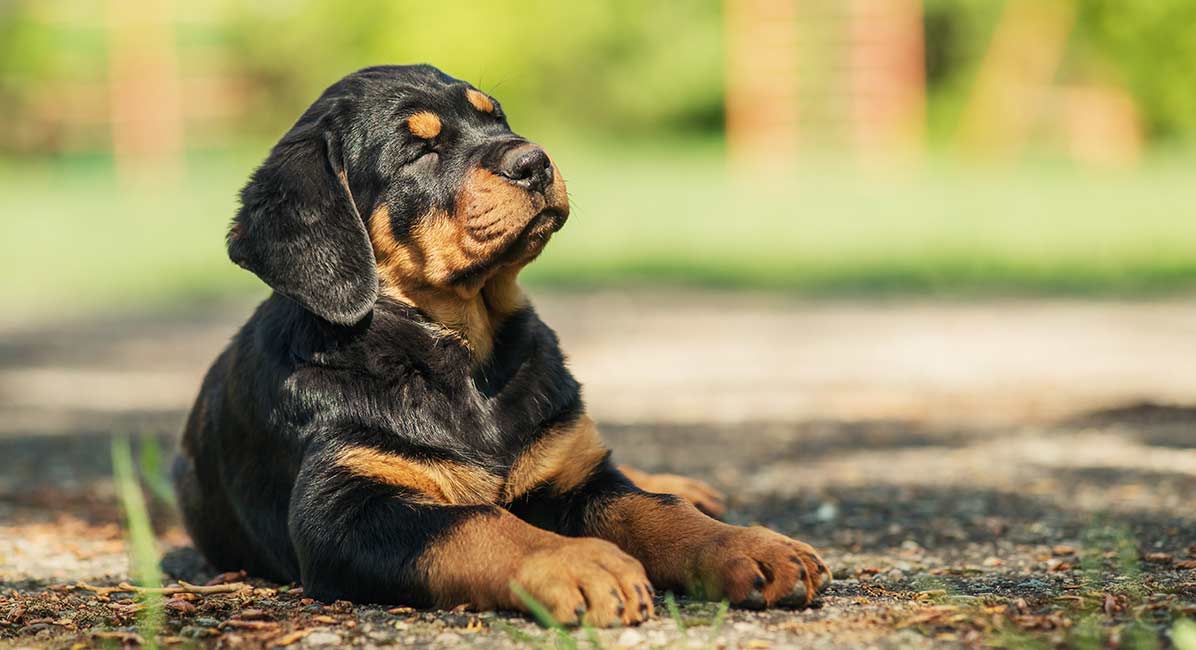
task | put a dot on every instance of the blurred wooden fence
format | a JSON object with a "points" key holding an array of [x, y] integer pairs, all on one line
{"points": [[840, 75], [154, 98]]}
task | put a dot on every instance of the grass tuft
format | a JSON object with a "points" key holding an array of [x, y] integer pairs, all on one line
{"points": [[1183, 634], [670, 601], [720, 619], [143, 552], [544, 617]]}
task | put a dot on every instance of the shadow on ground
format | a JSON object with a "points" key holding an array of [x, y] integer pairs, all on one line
{"points": [[938, 536]]}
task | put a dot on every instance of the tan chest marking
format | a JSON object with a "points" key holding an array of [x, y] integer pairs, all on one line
{"points": [[431, 482], [409, 273], [562, 458]]}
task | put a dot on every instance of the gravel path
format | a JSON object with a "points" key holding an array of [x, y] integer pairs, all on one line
{"points": [[976, 474]]}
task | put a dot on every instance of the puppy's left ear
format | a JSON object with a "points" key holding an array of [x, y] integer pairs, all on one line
{"points": [[299, 230]]}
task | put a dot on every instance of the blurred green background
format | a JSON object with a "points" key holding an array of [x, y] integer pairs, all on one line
{"points": [[808, 146]]}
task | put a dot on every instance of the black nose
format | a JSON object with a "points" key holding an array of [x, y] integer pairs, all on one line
{"points": [[528, 167]]}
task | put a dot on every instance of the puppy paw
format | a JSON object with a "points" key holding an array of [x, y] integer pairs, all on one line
{"points": [[586, 581], [756, 568]]}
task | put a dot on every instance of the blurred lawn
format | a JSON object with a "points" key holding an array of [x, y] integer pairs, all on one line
{"points": [[71, 241]]}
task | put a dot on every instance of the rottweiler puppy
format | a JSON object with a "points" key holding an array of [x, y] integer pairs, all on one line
{"points": [[394, 424]]}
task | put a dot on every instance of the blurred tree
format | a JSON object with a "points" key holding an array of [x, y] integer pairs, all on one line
{"points": [[1151, 46], [621, 65], [589, 68]]}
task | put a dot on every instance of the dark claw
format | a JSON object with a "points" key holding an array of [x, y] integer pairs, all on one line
{"points": [[580, 611], [801, 572], [796, 598], [759, 583], [755, 600], [620, 609]]}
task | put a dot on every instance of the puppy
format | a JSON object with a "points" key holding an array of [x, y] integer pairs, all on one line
{"points": [[394, 424]]}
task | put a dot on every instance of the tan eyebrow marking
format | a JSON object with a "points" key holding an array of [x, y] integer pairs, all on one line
{"points": [[479, 101], [424, 125]]}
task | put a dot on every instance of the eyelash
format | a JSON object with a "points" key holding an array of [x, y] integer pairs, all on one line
{"points": [[425, 147]]}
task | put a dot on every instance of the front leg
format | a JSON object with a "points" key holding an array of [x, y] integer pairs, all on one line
{"points": [[373, 526], [701, 494], [683, 549]]}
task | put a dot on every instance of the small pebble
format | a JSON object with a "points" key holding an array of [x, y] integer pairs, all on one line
{"points": [[827, 512], [630, 639], [323, 638]]}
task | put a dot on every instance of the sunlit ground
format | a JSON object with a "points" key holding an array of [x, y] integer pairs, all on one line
{"points": [[72, 239]]}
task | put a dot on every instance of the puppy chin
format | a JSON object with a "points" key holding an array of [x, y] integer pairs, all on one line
{"points": [[532, 245]]}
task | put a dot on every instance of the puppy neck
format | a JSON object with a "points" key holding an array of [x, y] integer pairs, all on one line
{"points": [[471, 313]]}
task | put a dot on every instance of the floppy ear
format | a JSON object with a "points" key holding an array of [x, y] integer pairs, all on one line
{"points": [[299, 231]]}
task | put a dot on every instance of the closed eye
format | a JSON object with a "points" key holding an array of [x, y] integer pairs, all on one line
{"points": [[428, 149]]}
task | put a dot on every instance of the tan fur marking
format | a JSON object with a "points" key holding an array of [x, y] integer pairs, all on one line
{"points": [[476, 561], [670, 540], [479, 100], [424, 125], [703, 496], [491, 214], [489, 230], [444, 483], [682, 548], [563, 458]]}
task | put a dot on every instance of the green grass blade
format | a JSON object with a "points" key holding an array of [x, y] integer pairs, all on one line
{"points": [[152, 472], [670, 602], [543, 616], [592, 635], [720, 619], [1183, 635], [143, 553]]}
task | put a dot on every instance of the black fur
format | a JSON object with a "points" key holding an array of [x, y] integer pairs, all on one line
{"points": [[324, 362]]}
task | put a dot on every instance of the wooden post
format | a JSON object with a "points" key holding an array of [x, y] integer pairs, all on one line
{"points": [[761, 83], [144, 91], [888, 79]]}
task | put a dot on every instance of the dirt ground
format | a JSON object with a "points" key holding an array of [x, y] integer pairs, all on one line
{"points": [[1012, 474]]}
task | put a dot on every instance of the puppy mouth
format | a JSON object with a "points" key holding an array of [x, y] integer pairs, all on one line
{"points": [[540, 228], [552, 218]]}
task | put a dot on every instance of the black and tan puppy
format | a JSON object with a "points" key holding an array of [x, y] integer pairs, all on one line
{"points": [[395, 424]]}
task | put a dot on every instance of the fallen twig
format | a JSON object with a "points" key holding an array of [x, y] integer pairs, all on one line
{"points": [[288, 639], [250, 625], [181, 588]]}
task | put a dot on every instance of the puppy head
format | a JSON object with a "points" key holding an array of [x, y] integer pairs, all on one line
{"points": [[398, 176]]}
